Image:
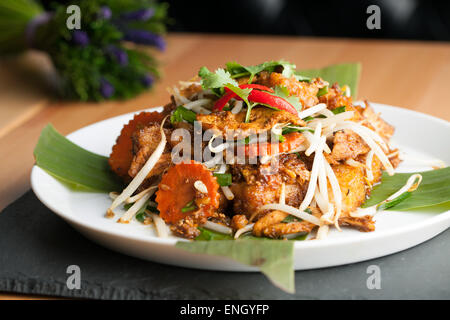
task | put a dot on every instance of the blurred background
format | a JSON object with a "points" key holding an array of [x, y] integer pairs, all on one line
{"points": [[400, 19]]}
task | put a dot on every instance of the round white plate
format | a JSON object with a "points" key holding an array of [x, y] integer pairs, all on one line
{"points": [[417, 134]]}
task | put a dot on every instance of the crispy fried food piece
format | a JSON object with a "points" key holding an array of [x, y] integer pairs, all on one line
{"points": [[291, 141], [335, 98], [348, 145], [239, 221], [267, 220], [384, 129], [281, 229], [305, 91], [365, 224], [353, 186], [271, 225], [122, 152], [177, 190], [261, 119], [353, 189], [145, 141], [256, 185]]}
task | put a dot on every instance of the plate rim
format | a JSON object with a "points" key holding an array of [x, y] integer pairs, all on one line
{"points": [[328, 242]]}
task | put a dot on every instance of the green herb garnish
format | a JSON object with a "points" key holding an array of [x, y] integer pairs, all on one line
{"points": [[283, 92], [223, 179], [181, 113], [322, 91], [190, 206], [338, 110], [237, 70]]}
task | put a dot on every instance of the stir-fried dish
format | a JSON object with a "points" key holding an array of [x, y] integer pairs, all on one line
{"points": [[260, 150]]}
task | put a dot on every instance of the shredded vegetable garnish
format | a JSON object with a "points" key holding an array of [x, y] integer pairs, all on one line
{"points": [[369, 160], [134, 208], [292, 211], [142, 174], [151, 190], [322, 232], [227, 192], [160, 225], [310, 111], [217, 227], [282, 199], [243, 230]]}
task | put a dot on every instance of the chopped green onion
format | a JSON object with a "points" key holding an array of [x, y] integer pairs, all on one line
{"points": [[141, 216], [223, 179], [181, 113], [189, 206], [290, 129], [322, 91], [291, 218], [338, 110], [153, 209]]}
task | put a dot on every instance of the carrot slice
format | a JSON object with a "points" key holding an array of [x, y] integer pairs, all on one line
{"points": [[122, 152], [292, 141], [176, 190]]}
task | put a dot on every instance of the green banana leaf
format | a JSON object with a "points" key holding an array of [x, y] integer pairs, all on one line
{"points": [[76, 167], [275, 258], [434, 190], [343, 74]]}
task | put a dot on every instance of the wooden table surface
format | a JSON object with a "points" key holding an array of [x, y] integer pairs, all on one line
{"points": [[413, 75]]}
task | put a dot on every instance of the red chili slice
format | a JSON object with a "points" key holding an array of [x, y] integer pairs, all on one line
{"points": [[252, 86], [256, 96], [271, 100], [220, 104]]}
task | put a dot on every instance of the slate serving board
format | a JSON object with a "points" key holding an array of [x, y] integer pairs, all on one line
{"points": [[36, 247]]}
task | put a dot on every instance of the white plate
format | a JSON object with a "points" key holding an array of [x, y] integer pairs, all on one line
{"points": [[417, 134]]}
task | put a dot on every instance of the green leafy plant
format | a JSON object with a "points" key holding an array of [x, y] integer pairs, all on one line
{"points": [[104, 59]]}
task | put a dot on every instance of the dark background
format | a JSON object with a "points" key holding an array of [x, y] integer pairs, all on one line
{"points": [[400, 19]]}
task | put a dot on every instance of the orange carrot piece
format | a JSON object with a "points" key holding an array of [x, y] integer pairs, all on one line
{"points": [[122, 152], [177, 189]]}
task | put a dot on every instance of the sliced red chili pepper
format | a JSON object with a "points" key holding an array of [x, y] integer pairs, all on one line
{"points": [[258, 97], [271, 100], [224, 100], [252, 86]]}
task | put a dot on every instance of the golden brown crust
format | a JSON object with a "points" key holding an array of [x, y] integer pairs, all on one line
{"points": [[261, 119]]}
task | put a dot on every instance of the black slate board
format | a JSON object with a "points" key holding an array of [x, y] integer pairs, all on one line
{"points": [[36, 247]]}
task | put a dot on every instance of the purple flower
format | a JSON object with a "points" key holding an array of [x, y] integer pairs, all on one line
{"points": [[147, 80], [138, 15], [106, 88], [145, 37], [120, 55], [105, 13], [80, 38]]}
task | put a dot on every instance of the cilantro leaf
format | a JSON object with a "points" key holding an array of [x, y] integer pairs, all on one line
{"points": [[283, 92], [243, 94], [181, 113], [215, 80], [237, 70]]}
